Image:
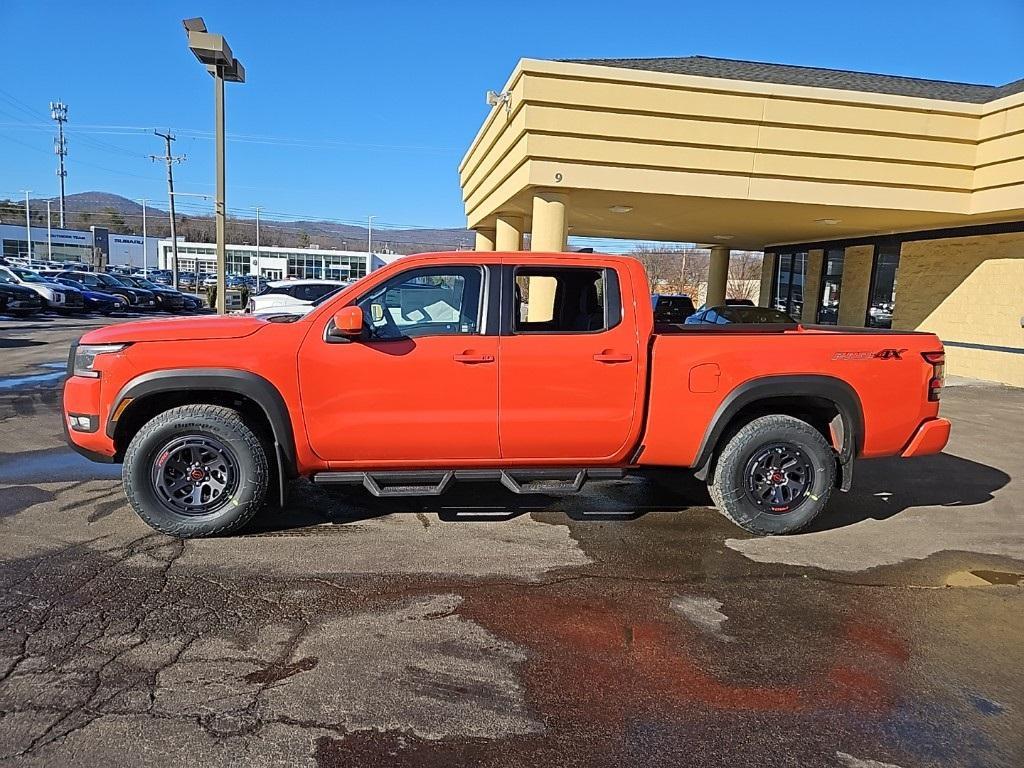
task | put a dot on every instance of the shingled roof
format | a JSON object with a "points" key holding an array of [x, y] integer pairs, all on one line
{"points": [[785, 74]]}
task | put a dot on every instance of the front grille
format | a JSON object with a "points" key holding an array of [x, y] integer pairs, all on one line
{"points": [[73, 300]]}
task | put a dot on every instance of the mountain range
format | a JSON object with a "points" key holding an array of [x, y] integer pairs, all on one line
{"points": [[124, 215]]}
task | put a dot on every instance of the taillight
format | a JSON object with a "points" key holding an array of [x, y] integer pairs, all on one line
{"points": [[938, 363]]}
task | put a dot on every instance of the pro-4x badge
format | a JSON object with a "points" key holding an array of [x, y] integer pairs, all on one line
{"points": [[885, 354]]}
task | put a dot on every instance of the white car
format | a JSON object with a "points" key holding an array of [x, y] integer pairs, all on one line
{"points": [[293, 297]]}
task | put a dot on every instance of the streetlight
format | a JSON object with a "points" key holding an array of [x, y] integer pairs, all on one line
{"points": [[145, 244], [258, 265], [213, 51], [28, 226]]}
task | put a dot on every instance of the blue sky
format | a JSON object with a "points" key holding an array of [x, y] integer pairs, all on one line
{"points": [[353, 109]]}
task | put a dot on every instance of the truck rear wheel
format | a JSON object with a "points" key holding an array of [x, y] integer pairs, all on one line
{"points": [[774, 475], [196, 470]]}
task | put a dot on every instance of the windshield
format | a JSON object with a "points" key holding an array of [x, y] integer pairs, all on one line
{"points": [[6, 276], [29, 276], [325, 297], [110, 280], [147, 284]]}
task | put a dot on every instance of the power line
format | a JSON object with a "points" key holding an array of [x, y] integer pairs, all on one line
{"points": [[171, 161]]}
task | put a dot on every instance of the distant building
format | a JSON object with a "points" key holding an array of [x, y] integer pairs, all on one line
{"points": [[273, 263], [95, 246]]}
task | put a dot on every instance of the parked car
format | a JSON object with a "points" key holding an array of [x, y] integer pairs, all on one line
{"points": [[136, 298], [60, 298], [192, 303], [537, 371], [292, 294], [167, 298], [297, 308], [16, 299], [739, 314], [671, 308], [96, 301]]}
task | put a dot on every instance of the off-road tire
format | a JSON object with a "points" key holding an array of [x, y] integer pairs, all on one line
{"points": [[728, 481], [222, 424]]}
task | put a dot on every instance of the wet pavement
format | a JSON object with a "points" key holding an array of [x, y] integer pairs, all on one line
{"points": [[628, 626]]}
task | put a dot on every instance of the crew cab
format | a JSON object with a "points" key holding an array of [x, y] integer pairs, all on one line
{"points": [[539, 371]]}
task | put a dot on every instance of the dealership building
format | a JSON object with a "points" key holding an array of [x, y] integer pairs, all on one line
{"points": [[877, 200], [95, 246], [271, 262]]}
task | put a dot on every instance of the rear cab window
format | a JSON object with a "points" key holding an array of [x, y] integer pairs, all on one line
{"points": [[564, 300]]}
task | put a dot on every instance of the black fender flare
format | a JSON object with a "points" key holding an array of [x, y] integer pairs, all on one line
{"points": [[837, 391], [229, 380]]}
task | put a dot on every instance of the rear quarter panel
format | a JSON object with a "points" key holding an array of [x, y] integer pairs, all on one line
{"points": [[892, 391]]}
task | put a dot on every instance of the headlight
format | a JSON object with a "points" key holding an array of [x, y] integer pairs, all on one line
{"points": [[86, 354], [47, 293]]}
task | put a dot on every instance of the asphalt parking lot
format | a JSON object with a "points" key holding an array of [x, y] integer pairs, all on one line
{"points": [[630, 625]]}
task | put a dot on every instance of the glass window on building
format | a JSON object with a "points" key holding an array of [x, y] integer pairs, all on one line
{"points": [[831, 284], [882, 299], [788, 286]]}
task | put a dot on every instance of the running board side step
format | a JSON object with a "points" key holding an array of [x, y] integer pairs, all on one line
{"points": [[434, 482]]}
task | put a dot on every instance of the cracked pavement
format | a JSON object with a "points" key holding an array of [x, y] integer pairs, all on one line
{"points": [[628, 626]]}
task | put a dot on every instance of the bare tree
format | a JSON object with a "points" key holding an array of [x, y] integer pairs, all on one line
{"points": [[744, 280]]}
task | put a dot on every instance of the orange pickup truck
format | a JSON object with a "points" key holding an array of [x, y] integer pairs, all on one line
{"points": [[540, 371]]}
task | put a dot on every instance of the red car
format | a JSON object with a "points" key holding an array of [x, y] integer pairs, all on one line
{"points": [[538, 371]]}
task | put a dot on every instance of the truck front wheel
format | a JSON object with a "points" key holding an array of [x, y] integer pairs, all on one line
{"points": [[774, 475], [196, 470]]}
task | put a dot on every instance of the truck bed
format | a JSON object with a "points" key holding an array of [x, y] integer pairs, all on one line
{"points": [[704, 365]]}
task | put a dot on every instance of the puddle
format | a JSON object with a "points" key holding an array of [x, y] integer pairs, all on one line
{"points": [[53, 465], [57, 371]]}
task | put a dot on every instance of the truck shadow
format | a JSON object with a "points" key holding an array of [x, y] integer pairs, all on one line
{"points": [[882, 489]]}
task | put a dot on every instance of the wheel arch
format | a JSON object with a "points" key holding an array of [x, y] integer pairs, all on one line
{"points": [[257, 398], [801, 396]]}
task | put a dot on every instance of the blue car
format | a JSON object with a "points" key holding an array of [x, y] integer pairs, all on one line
{"points": [[95, 301]]}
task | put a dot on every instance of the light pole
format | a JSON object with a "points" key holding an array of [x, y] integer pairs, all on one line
{"points": [[213, 51], [259, 271], [145, 243], [28, 227], [49, 236], [369, 234]]}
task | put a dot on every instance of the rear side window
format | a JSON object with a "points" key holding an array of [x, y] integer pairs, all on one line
{"points": [[565, 300]]}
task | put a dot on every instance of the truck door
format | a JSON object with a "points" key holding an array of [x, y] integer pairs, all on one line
{"points": [[422, 386], [569, 364]]}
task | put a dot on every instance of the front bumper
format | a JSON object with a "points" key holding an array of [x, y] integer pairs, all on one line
{"points": [[82, 396], [931, 437]]}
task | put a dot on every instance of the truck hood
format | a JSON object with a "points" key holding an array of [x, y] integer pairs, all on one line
{"points": [[177, 329]]}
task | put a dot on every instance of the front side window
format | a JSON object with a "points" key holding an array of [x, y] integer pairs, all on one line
{"points": [[562, 300], [432, 301], [882, 300], [831, 284]]}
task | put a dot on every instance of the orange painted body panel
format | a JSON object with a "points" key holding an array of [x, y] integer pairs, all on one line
{"points": [[576, 398], [519, 400], [931, 437], [892, 392]]}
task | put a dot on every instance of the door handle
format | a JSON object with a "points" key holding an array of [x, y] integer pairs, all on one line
{"points": [[613, 357], [469, 359]]}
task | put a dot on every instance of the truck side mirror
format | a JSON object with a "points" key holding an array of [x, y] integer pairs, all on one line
{"points": [[348, 322]]}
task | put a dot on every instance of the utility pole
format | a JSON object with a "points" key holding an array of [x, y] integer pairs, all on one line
{"points": [[369, 235], [145, 244], [49, 237], [59, 112], [259, 271], [28, 227], [170, 160]]}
